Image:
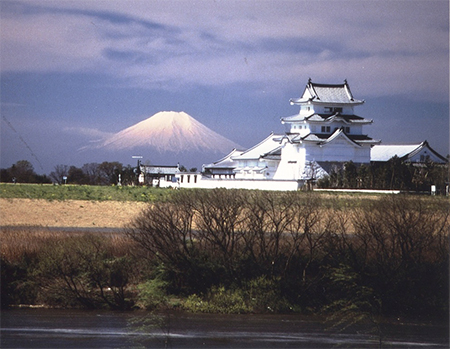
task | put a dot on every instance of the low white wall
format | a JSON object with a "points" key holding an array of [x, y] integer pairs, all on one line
{"points": [[368, 191], [263, 184]]}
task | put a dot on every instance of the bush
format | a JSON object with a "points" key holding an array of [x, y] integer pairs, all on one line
{"points": [[236, 251], [219, 300], [79, 271], [17, 285], [152, 294]]}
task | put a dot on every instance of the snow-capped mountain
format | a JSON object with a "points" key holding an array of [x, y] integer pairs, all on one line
{"points": [[168, 131]]}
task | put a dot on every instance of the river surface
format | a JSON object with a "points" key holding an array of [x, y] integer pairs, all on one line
{"points": [[50, 328]]}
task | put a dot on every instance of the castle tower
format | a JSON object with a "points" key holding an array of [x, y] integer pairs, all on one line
{"points": [[326, 132]]}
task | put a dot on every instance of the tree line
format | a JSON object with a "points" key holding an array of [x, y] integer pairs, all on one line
{"points": [[105, 173], [22, 172], [393, 174]]}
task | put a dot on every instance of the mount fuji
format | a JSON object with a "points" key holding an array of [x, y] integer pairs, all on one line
{"points": [[169, 134]]}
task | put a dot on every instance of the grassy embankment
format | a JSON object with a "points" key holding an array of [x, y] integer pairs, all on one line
{"points": [[82, 192], [357, 256]]}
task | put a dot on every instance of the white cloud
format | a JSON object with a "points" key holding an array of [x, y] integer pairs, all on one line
{"points": [[92, 133]]}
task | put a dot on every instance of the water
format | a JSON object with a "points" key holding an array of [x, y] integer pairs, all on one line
{"points": [[50, 328]]}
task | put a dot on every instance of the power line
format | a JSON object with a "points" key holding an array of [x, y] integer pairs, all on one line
{"points": [[23, 141]]}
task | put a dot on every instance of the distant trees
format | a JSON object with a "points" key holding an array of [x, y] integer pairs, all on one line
{"points": [[394, 174], [110, 171], [59, 173], [106, 173], [22, 172]]}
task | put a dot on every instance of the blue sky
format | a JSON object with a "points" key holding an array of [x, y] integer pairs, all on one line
{"points": [[74, 70]]}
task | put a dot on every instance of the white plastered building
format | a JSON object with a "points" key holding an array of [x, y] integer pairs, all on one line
{"points": [[324, 133]]}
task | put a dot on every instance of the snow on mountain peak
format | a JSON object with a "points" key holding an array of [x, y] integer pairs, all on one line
{"points": [[169, 131]]}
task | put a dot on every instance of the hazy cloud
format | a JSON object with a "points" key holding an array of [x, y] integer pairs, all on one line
{"points": [[177, 43], [92, 133]]}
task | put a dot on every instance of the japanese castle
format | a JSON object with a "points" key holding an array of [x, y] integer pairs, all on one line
{"points": [[325, 133]]}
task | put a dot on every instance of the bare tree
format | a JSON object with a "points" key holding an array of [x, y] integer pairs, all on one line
{"points": [[59, 172], [92, 172], [219, 221], [268, 216]]}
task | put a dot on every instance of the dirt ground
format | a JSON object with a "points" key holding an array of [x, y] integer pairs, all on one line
{"points": [[69, 213]]}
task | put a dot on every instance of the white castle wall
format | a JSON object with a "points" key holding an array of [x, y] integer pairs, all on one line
{"points": [[340, 151], [291, 164], [189, 181]]}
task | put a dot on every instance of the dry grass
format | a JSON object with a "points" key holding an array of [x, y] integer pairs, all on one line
{"points": [[68, 213], [16, 242]]}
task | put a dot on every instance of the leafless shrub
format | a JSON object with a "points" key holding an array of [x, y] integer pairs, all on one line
{"points": [[402, 230], [219, 220], [81, 270], [165, 230], [268, 218]]}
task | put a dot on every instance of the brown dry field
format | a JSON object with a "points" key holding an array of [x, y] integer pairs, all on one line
{"points": [[68, 213]]}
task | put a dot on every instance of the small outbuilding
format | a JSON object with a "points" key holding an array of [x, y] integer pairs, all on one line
{"points": [[156, 175], [413, 153]]}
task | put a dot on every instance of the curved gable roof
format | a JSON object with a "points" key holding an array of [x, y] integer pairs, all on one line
{"points": [[327, 94], [339, 133], [384, 153], [226, 161], [266, 146]]}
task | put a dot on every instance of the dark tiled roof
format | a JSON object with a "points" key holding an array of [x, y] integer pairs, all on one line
{"points": [[327, 93], [337, 117], [331, 93], [273, 155], [324, 137], [351, 119]]}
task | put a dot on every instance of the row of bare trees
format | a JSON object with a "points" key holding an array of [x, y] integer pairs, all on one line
{"points": [[245, 249], [222, 237], [93, 173], [266, 229]]}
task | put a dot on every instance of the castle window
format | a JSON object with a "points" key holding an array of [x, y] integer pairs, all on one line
{"points": [[347, 129], [333, 110], [326, 129]]}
